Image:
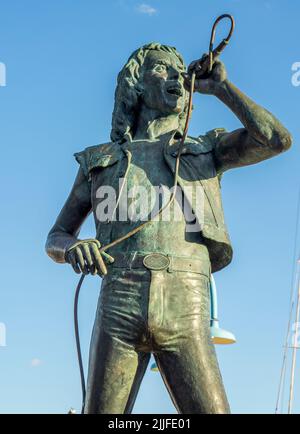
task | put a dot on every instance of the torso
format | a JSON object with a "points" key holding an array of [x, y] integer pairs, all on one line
{"points": [[169, 234]]}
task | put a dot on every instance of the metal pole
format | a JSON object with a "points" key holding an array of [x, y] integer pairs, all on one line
{"points": [[291, 398]]}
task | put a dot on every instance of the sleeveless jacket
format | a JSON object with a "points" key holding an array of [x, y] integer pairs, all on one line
{"points": [[105, 164]]}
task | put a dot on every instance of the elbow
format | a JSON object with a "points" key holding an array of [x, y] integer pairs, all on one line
{"points": [[286, 142], [282, 142]]}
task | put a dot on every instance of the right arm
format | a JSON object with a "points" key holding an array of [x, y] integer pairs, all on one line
{"points": [[63, 235]]}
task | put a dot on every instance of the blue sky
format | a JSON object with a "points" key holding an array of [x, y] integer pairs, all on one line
{"points": [[62, 58]]}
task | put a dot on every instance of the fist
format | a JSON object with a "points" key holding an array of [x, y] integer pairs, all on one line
{"points": [[210, 82], [84, 256]]}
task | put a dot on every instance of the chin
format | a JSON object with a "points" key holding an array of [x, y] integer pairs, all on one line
{"points": [[174, 107], [177, 110]]}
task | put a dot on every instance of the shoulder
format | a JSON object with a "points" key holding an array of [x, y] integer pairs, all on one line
{"points": [[204, 143], [102, 155], [212, 137]]}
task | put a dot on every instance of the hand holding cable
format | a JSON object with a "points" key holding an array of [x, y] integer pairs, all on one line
{"points": [[85, 257], [211, 82]]}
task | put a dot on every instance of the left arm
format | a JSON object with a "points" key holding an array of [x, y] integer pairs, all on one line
{"points": [[262, 137]]}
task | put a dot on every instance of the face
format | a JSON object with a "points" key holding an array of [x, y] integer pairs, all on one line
{"points": [[162, 83]]}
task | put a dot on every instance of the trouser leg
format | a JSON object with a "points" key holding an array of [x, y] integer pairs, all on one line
{"points": [[184, 352], [116, 364], [115, 373], [193, 380]]}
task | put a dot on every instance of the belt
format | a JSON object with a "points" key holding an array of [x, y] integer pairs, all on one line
{"points": [[160, 261]]}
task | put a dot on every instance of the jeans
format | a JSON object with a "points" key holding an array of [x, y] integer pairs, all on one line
{"points": [[143, 311]]}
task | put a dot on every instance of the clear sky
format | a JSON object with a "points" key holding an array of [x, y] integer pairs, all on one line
{"points": [[62, 58]]}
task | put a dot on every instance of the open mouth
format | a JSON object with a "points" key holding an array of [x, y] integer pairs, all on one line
{"points": [[175, 90]]}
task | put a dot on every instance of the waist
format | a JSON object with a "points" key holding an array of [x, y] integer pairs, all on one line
{"points": [[160, 261]]}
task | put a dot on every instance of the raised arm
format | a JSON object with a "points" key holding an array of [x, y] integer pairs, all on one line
{"points": [[262, 137]]}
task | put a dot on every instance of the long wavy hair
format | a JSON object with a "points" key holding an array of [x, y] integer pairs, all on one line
{"points": [[128, 92]]}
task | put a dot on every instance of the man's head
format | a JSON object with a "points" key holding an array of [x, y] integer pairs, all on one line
{"points": [[152, 77]]}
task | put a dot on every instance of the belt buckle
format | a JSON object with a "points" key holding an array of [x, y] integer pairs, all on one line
{"points": [[156, 261]]}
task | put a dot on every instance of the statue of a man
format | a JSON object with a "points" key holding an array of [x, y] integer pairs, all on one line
{"points": [[155, 296]]}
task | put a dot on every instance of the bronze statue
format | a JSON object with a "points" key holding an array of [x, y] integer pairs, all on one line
{"points": [[155, 295]]}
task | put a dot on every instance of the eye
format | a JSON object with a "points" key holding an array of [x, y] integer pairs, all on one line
{"points": [[160, 68]]}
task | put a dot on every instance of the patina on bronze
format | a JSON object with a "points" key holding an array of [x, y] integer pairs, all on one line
{"points": [[155, 296]]}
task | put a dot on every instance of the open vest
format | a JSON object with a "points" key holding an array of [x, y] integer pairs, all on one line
{"points": [[105, 164]]}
